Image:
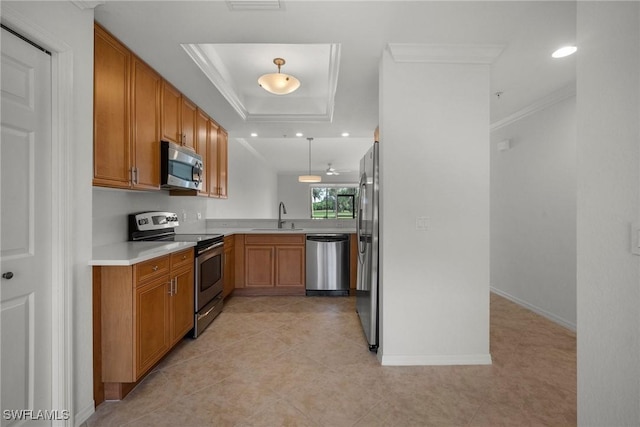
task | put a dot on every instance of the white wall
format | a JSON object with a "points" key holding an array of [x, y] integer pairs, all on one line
{"points": [[533, 212], [608, 150], [253, 187], [434, 283], [297, 195], [111, 209], [73, 28], [252, 193]]}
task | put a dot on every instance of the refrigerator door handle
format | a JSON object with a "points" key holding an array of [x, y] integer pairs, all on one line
{"points": [[363, 191]]}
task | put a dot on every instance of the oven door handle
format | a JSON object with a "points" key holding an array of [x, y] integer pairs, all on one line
{"points": [[217, 245], [200, 316]]}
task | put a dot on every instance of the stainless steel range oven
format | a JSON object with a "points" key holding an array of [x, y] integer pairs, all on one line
{"points": [[208, 267], [208, 283]]}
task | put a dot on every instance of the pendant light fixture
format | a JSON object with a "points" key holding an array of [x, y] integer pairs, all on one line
{"points": [[278, 83], [309, 178]]}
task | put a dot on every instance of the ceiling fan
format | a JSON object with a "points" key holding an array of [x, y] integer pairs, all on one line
{"points": [[333, 171]]}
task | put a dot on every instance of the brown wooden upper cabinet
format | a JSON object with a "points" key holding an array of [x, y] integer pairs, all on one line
{"points": [[211, 144], [178, 117], [134, 109], [111, 119], [126, 117], [223, 144], [146, 125], [202, 147]]}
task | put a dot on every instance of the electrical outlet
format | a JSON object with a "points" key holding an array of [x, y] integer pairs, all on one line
{"points": [[199, 215], [184, 216]]}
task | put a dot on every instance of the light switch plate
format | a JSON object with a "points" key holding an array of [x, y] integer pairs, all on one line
{"points": [[422, 223], [635, 238]]}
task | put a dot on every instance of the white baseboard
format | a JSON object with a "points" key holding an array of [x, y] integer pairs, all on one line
{"points": [[84, 414], [430, 360], [556, 319]]}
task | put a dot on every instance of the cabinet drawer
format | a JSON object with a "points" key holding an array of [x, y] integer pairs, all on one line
{"points": [[155, 267], [182, 258], [275, 239]]}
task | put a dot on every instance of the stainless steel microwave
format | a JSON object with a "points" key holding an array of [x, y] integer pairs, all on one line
{"points": [[180, 168]]}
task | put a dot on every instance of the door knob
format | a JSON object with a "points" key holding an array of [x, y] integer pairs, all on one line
{"points": [[8, 275]]}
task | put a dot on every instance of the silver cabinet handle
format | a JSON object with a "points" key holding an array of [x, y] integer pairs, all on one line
{"points": [[154, 268]]}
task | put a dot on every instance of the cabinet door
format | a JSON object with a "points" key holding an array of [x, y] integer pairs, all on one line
{"points": [[229, 278], [111, 127], [171, 108], [188, 121], [290, 264], [152, 323], [182, 301], [223, 142], [212, 160], [259, 261], [147, 86], [202, 148]]}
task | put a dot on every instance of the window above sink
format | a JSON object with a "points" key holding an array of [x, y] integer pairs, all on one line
{"points": [[333, 201]]}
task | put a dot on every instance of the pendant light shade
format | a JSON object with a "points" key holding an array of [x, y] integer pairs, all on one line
{"points": [[309, 178], [278, 83]]}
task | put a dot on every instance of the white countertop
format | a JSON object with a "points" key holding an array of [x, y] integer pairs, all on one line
{"points": [[229, 231], [129, 253]]}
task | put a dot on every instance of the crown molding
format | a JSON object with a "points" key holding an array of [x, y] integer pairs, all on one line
{"points": [[300, 118], [87, 4], [445, 53], [539, 105], [255, 5], [334, 67], [216, 71]]}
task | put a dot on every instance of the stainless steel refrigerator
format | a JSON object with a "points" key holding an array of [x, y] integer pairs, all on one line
{"points": [[368, 240]]}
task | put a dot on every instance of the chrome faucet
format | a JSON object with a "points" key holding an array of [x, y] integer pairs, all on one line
{"points": [[281, 210]]}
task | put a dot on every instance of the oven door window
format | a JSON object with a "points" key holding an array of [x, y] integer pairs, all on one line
{"points": [[210, 272]]}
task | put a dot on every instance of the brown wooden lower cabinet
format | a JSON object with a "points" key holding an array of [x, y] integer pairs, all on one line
{"points": [[270, 264], [229, 278], [140, 313]]}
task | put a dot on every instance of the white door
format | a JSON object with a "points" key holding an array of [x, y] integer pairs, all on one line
{"points": [[25, 231]]}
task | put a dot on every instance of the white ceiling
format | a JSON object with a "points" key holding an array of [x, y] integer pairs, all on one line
{"points": [[233, 69], [244, 43]]}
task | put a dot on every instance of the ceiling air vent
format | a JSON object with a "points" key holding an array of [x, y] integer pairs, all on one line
{"points": [[254, 4]]}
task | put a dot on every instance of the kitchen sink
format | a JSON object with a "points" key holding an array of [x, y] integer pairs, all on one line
{"points": [[275, 229]]}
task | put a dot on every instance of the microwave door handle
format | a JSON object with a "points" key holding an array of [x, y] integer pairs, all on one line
{"points": [[197, 173]]}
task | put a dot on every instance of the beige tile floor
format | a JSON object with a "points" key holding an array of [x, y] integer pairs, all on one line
{"points": [[297, 361]]}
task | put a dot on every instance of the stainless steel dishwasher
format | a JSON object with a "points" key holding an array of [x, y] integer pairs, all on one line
{"points": [[327, 264]]}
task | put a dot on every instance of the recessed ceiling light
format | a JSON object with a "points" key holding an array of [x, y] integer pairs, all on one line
{"points": [[564, 51], [299, 134], [254, 134], [345, 133]]}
